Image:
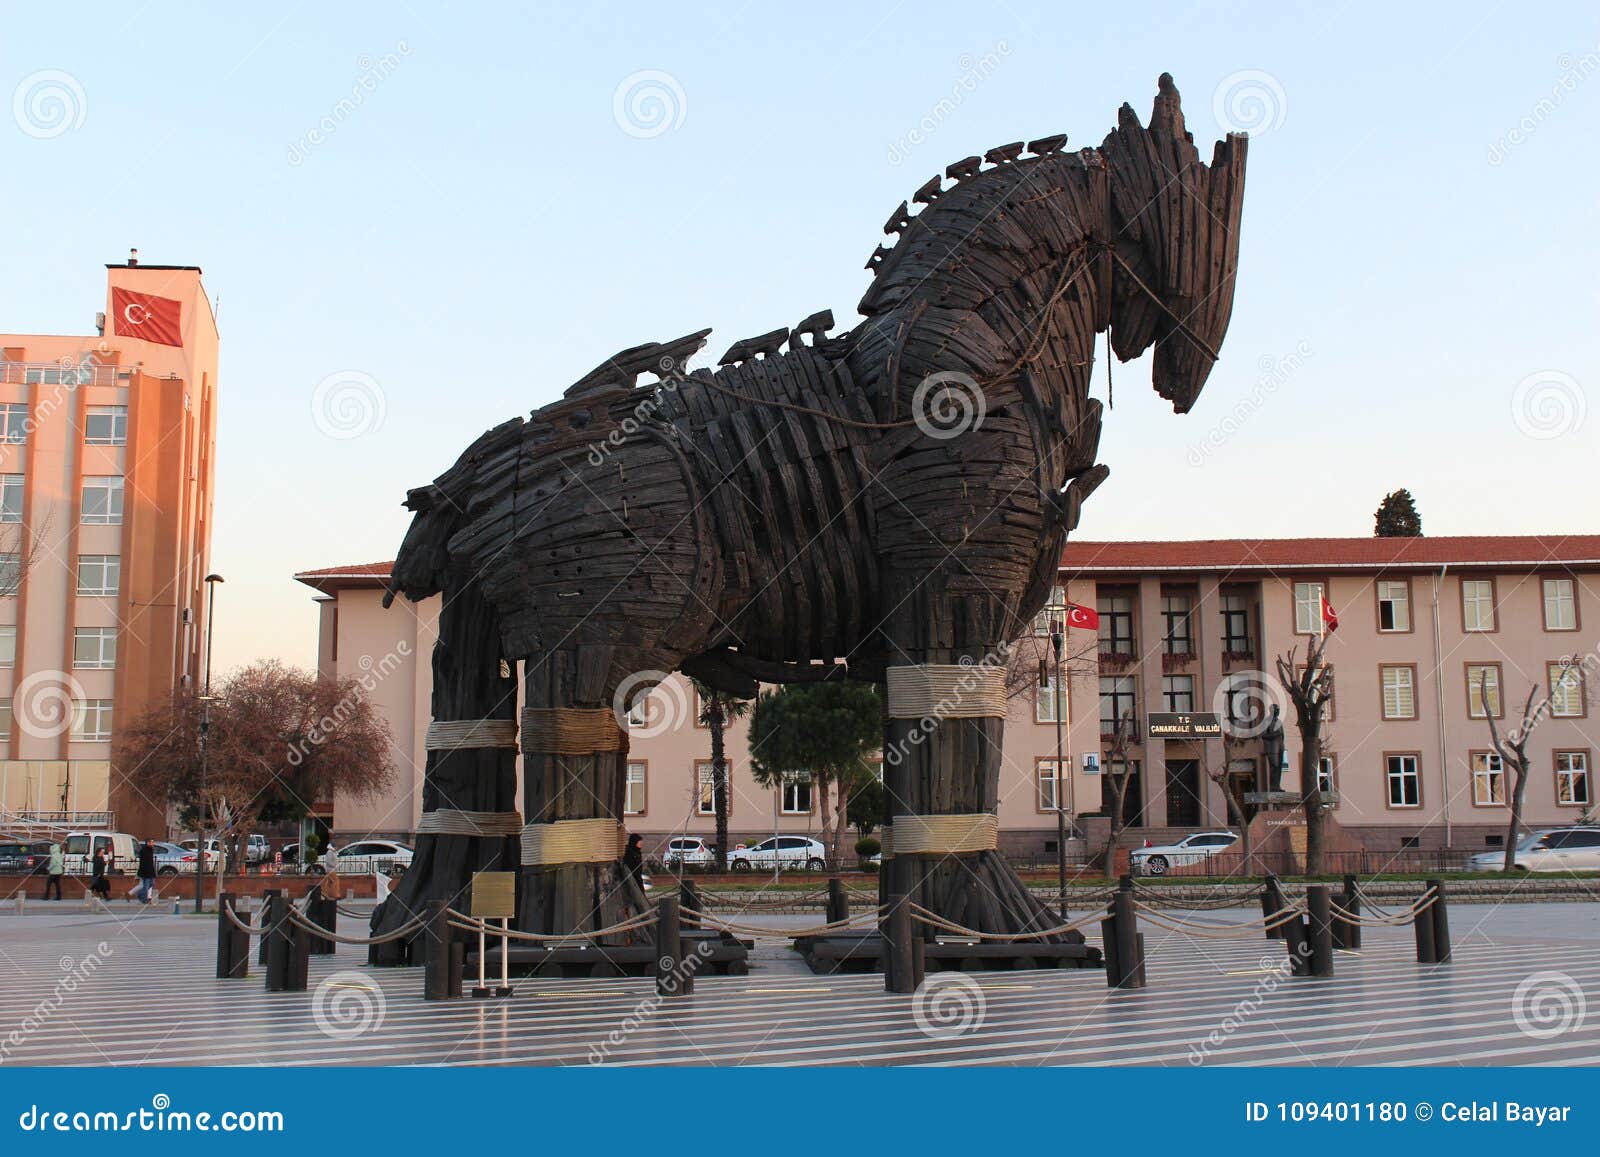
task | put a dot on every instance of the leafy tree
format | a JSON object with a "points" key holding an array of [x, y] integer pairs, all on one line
{"points": [[1397, 516], [868, 808], [279, 739], [821, 733], [717, 710]]}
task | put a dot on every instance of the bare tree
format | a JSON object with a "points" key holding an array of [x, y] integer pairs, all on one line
{"points": [[1232, 787], [1115, 775], [1310, 689], [20, 547], [1512, 747], [1031, 663]]}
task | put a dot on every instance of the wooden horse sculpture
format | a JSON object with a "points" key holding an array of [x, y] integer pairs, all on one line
{"points": [[887, 503]]}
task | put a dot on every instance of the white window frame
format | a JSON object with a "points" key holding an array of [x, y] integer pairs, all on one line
{"points": [[1576, 772], [104, 640], [119, 426], [1488, 779], [1044, 698], [5, 718], [1560, 595], [705, 788], [1308, 599], [1409, 769], [1048, 785], [10, 573], [14, 423], [1327, 775], [789, 804], [1474, 604], [1409, 688], [637, 776], [112, 487], [8, 645], [13, 489], [91, 721], [105, 563], [1399, 606], [1488, 688], [1566, 690]]}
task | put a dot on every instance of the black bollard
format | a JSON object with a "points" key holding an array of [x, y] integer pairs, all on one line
{"points": [[1441, 923], [1271, 905], [1129, 961], [324, 913], [233, 943], [1108, 940], [1297, 943], [1423, 926], [674, 974], [266, 911], [278, 939], [901, 971], [1319, 903], [689, 901], [441, 971], [838, 902], [1348, 928], [299, 977]]}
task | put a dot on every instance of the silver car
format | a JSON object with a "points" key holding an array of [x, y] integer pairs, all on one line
{"points": [[1189, 850], [1547, 850]]}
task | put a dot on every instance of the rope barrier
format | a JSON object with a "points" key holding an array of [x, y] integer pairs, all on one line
{"points": [[247, 929], [717, 924], [471, 924], [934, 920], [1390, 919], [406, 929], [1248, 928]]}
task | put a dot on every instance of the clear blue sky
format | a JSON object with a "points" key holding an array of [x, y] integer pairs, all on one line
{"points": [[479, 230]]}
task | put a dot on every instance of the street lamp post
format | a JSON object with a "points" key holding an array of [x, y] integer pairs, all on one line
{"points": [[211, 581], [1057, 631]]}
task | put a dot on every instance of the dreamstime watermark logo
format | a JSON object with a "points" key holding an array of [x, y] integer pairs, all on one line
{"points": [[1275, 372], [948, 1005], [973, 71], [649, 703], [947, 404], [348, 404], [675, 974], [1548, 1004], [373, 672], [347, 1005], [48, 104], [1249, 101], [644, 412], [1278, 969], [75, 972], [372, 72], [44, 703], [649, 103], [1245, 699], [1549, 404], [979, 674], [1573, 71]]}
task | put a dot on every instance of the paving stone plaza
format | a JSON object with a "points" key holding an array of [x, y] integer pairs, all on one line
{"points": [[125, 988]]}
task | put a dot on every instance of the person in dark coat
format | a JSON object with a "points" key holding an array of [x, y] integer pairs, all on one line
{"points": [[633, 858], [100, 883], [147, 873]]}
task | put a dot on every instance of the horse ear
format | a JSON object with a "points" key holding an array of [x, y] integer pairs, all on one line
{"points": [[1166, 116]]}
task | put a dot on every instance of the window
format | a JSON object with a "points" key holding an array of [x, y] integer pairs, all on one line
{"points": [[1045, 700], [10, 573], [1560, 605], [1394, 605], [1483, 691], [634, 797], [1488, 779], [1176, 610], [102, 499], [1245, 700], [1116, 701], [1307, 608], [1572, 778], [1045, 770], [1177, 692], [797, 798], [1477, 604], [91, 720], [1566, 690], [1236, 624], [99, 574], [10, 498], [1405, 783], [106, 425], [13, 423], [639, 713], [1051, 615], [5, 719], [1116, 623], [8, 646], [705, 789], [1399, 692], [94, 647], [1325, 780]]}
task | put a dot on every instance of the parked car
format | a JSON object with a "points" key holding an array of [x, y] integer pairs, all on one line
{"points": [[780, 852], [213, 853], [1547, 850], [257, 850], [366, 856], [172, 859], [79, 848], [25, 856], [688, 851], [1189, 850]]}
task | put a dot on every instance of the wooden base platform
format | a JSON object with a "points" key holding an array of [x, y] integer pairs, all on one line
{"points": [[726, 957], [863, 952]]}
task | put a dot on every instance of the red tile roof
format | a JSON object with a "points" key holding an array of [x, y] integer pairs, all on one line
{"points": [[1233, 554]]}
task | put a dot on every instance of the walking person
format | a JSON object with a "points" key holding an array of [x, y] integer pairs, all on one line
{"points": [[100, 882], [147, 872], [57, 869], [633, 858]]}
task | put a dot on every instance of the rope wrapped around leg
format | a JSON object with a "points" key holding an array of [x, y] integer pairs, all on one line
{"points": [[450, 822], [941, 835], [570, 731], [466, 734], [947, 691], [596, 841]]}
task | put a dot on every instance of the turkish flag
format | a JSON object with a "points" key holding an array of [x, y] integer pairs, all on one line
{"points": [[143, 315], [1082, 617], [1328, 614]]}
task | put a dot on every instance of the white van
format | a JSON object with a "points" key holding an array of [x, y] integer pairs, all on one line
{"points": [[80, 847]]}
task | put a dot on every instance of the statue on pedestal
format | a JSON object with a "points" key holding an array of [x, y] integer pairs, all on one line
{"points": [[1272, 749]]}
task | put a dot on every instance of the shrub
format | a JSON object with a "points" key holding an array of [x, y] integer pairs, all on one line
{"points": [[868, 846]]}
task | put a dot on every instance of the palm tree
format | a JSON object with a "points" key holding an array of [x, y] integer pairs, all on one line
{"points": [[717, 710]]}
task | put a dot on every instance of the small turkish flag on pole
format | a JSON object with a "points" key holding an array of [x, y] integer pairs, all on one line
{"points": [[1329, 617], [143, 315], [1082, 617]]}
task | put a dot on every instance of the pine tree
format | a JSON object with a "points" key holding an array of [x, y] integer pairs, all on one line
{"points": [[1397, 516]]}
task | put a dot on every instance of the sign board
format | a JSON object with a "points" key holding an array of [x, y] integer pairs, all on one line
{"points": [[1184, 725], [1091, 763], [494, 895]]}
